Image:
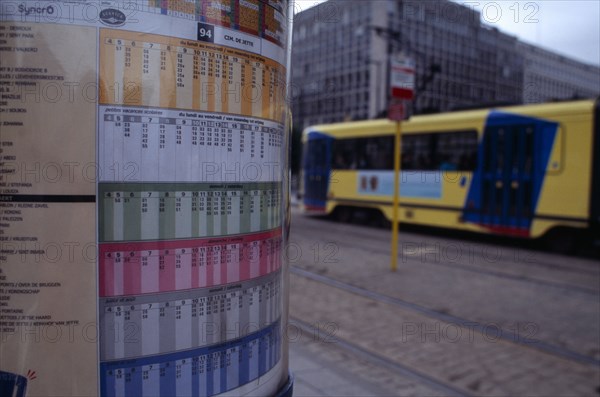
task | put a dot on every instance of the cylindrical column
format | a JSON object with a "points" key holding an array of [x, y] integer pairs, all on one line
{"points": [[144, 197]]}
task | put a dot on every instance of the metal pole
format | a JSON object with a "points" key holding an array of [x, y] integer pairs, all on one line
{"points": [[378, 64], [377, 86], [396, 205]]}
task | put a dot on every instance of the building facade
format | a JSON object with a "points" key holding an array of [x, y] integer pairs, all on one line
{"points": [[549, 76], [341, 52]]}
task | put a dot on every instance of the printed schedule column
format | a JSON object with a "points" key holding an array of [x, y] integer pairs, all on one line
{"points": [[190, 234]]}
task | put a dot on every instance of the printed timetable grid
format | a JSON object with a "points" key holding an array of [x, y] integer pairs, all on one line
{"points": [[167, 211], [140, 144], [148, 325], [205, 371], [260, 18], [189, 202], [199, 7], [166, 266], [186, 74]]}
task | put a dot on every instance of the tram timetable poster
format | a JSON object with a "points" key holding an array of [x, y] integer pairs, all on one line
{"points": [[141, 196]]}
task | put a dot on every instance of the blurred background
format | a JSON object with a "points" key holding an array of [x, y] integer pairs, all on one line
{"points": [[467, 54], [465, 313]]}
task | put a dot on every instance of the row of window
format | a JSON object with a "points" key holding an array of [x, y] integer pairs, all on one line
{"points": [[423, 152]]}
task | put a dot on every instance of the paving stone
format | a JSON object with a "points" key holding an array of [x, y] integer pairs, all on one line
{"points": [[559, 312]]}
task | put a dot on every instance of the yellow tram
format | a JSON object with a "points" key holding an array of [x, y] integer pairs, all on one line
{"points": [[521, 171]]}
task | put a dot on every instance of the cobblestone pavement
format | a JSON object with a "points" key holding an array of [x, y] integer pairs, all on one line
{"points": [[505, 296]]}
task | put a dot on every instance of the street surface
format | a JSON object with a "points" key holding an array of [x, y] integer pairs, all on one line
{"points": [[458, 317]]}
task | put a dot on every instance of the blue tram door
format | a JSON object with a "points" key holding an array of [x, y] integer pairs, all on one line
{"points": [[513, 159], [316, 169]]}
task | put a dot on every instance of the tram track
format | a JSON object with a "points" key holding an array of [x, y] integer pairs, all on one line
{"points": [[538, 345], [477, 257], [415, 232], [377, 359], [498, 274]]}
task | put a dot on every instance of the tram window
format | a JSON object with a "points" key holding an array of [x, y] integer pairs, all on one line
{"points": [[500, 150], [529, 139], [515, 150], [447, 151], [456, 151], [344, 153], [375, 153]]}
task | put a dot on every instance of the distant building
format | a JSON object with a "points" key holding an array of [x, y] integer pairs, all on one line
{"points": [[341, 50], [549, 76]]}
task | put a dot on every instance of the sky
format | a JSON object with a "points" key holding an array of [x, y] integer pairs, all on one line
{"points": [[568, 27]]}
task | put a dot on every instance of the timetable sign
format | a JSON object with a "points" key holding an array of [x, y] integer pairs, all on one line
{"points": [[402, 78]]}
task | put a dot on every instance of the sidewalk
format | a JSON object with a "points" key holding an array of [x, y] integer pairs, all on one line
{"points": [[535, 317], [326, 369], [318, 376]]}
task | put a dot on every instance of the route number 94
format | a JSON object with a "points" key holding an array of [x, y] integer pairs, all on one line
{"points": [[206, 32]]}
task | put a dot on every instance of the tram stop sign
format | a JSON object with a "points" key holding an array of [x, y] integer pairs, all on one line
{"points": [[402, 77], [396, 111]]}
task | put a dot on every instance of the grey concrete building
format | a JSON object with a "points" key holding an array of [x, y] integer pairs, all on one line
{"points": [[341, 50], [549, 76]]}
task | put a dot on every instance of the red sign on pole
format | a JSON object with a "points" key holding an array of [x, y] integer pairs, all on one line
{"points": [[402, 78], [396, 111]]}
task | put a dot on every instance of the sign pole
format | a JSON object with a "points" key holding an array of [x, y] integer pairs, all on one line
{"points": [[396, 205], [402, 85]]}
